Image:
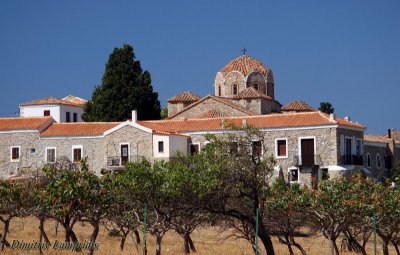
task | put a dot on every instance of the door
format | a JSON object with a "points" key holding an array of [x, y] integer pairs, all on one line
{"points": [[307, 152], [347, 154], [124, 153]]}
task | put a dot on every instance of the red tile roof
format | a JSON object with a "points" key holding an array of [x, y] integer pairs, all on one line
{"points": [[185, 96], [223, 100], [212, 114], [245, 65], [298, 106], [78, 129], [250, 93], [279, 120], [375, 138], [51, 100], [24, 123], [75, 100]]}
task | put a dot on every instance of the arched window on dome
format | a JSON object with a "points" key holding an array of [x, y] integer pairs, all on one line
{"points": [[256, 86], [219, 91], [235, 89]]}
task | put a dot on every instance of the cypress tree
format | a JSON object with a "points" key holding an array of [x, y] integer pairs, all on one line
{"points": [[124, 87]]}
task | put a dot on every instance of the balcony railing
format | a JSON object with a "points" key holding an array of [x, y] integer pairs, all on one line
{"points": [[113, 161], [307, 161], [352, 160]]}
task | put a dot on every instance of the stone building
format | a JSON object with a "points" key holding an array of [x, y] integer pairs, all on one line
{"points": [[306, 143]]}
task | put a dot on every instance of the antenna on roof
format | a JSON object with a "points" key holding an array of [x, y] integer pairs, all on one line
{"points": [[244, 51]]}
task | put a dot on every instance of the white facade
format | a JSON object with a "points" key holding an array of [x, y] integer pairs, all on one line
{"points": [[167, 146], [58, 112]]}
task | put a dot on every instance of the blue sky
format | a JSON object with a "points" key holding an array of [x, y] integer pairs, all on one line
{"points": [[344, 52]]}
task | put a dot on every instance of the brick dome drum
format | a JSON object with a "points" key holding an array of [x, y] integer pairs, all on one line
{"points": [[241, 73]]}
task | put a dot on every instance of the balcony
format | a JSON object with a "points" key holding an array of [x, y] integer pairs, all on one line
{"points": [[352, 160], [307, 161]]}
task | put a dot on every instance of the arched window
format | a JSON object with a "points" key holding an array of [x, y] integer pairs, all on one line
{"points": [[368, 160], [235, 89], [378, 161], [219, 90], [256, 86]]}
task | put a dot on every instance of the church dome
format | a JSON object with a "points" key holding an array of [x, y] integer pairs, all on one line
{"points": [[245, 65]]}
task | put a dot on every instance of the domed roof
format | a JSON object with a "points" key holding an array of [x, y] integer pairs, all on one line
{"points": [[245, 65]]}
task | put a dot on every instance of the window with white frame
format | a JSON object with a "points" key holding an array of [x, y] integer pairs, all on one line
{"points": [[378, 160], [15, 153], [77, 151], [281, 148], [368, 160], [161, 147], [293, 174], [50, 155]]}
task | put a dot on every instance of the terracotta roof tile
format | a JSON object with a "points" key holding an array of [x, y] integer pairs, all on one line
{"points": [[212, 114], [24, 123], [298, 106], [51, 100], [185, 96], [375, 138], [279, 120], [219, 99], [251, 93], [78, 129], [245, 65], [75, 100]]}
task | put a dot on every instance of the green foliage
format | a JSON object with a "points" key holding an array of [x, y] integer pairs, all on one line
{"points": [[164, 113], [124, 87], [326, 107]]}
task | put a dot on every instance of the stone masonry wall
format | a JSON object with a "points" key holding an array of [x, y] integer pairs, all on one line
{"points": [[325, 140], [210, 104], [28, 159], [373, 151]]}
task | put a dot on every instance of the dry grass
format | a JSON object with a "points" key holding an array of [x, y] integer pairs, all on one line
{"points": [[207, 241]]}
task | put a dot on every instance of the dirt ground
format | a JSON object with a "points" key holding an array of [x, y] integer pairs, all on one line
{"points": [[207, 241]]}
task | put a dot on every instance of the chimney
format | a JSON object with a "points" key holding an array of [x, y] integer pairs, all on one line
{"points": [[389, 133], [332, 117], [134, 116], [347, 118]]}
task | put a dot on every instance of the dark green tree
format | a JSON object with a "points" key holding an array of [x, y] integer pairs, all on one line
{"points": [[326, 107], [125, 87]]}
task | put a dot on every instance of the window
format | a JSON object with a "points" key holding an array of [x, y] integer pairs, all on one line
{"points": [[368, 160], [256, 86], [68, 117], [194, 148], [378, 161], [46, 113], [50, 155], [15, 153], [219, 90], [233, 148], [75, 117], [161, 147], [235, 89], [32, 150], [281, 148], [77, 153], [358, 147], [294, 175], [256, 149]]}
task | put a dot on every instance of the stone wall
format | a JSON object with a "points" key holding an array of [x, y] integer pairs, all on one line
{"points": [[373, 150], [233, 77], [325, 141], [207, 105], [259, 79], [29, 159]]}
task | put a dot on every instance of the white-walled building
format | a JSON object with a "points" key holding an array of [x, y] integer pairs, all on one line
{"points": [[67, 109]]}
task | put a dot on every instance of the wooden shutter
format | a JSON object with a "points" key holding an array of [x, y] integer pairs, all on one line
{"points": [[282, 148]]}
